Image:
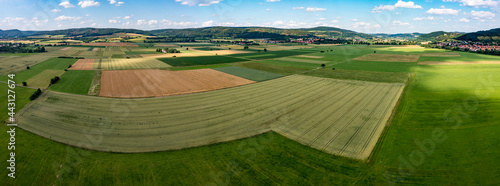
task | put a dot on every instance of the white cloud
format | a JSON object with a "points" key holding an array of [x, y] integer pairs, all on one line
{"points": [[38, 22], [475, 3], [365, 25], [126, 24], [67, 18], [335, 21], [322, 18], [354, 20], [481, 15], [465, 20], [311, 9], [198, 2], [168, 23], [399, 23], [56, 10], [85, 22], [409, 4], [113, 21], [141, 22], [85, 4], [207, 23], [66, 4], [442, 11], [273, 0], [424, 18], [115, 2], [127, 17], [297, 8], [152, 22], [399, 4], [268, 9]]}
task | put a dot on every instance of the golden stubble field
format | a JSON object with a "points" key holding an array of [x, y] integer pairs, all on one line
{"points": [[337, 116]]}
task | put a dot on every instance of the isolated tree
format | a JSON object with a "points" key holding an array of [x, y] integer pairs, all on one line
{"points": [[333, 68], [374, 51], [265, 49], [323, 65], [25, 84], [187, 48], [28, 67]]}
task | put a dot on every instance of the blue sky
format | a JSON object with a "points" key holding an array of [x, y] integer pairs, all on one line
{"points": [[388, 16]]}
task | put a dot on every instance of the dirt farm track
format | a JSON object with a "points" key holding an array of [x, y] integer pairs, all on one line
{"points": [[337, 116]]}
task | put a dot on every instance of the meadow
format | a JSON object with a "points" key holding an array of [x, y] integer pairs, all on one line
{"points": [[74, 82], [444, 130]]}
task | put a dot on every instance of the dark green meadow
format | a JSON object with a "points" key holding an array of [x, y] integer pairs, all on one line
{"points": [[204, 60]]}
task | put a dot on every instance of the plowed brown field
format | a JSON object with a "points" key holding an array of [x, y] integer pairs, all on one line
{"points": [[83, 64], [156, 83]]}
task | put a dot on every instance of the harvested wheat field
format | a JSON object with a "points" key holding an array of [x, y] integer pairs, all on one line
{"points": [[83, 64], [42, 80], [314, 57], [129, 64], [442, 54], [95, 49], [458, 62], [156, 83], [66, 48], [388, 58], [336, 116]]}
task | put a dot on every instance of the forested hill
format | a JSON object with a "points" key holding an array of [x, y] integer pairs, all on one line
{"points": [[487, 35], [208, 32], [439, 36]]}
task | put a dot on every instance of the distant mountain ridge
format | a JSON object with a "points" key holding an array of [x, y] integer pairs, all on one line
{"points": [[485, 35], [207, 32], [259, 32]]}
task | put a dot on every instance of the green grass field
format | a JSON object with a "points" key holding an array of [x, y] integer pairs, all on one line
{"points": [[251, 74], [50, 64], [376, 66], [75, 82], [273, 68], [390, 77], [272, 54], [465, 56], [206, 60], [453, 110]]}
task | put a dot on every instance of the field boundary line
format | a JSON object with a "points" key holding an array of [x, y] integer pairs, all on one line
{"points": [[389, 125]]}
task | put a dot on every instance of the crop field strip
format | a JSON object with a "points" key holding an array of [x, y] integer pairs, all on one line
{"points": [[251, 74], [172, 122], [388, 58], [42, 80], [83, 64], [302, 60], [129, 64], [315, 128], [156, 83]]}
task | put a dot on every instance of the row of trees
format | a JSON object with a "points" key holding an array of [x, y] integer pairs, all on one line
{"points": [[167, 50], [10, 49]]}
